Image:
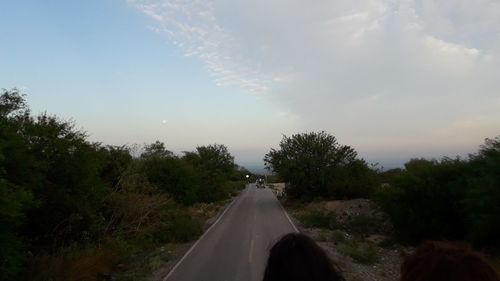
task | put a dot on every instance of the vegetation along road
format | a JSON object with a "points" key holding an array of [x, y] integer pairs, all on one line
{"points": [[237, 245]]}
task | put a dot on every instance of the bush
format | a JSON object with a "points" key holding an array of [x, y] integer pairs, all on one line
{"points": [[354, 180], [425, 201], [232, 188], [175, 177], [13, 201], [360, 252], [214, 166], [338, 236], [449, 199], [319, 218], [482, 201], [361, 225], [58, 191]]}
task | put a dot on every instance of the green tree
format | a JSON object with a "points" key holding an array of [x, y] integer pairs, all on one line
{"points": [[69, 190], [316, 165], [171, 174], [426, 200], [156, 149], [16, 168], [115, 162], [214, 166], [482, 200]]}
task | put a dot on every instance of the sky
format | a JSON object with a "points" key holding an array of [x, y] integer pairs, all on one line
{"points": [[393, 79]]}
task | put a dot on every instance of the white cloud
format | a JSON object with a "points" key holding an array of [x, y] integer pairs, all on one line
{"points": [[370, 71], [192, 26]]}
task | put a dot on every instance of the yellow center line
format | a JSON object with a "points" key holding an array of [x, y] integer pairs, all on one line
{"points": [[250, 254]]}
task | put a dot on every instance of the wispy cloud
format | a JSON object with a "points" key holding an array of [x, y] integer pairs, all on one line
{"points": [[192, 25], [368, 70]]}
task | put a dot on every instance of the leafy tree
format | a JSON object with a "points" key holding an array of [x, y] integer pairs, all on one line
{"points": [[448, 199], [115, 162], [58, 190], [13, 201], [425, 201], [16, 166], [354, 180], [156, 149], [171, 174], [482, 200], [214, 166], [214, 158], [316, 165], [69, 190], [50, 174], [387, 177]]}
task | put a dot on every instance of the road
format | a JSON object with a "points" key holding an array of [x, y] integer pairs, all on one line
{"points": [[236, 247]]}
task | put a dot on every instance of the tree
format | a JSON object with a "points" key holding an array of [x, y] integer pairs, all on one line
{"points": [[426, 200], [482, 200], [156, 149], [214, 165], [169, 173], [16, 165], [58, 191], [214, 158], [314, 165], [115, 162]]}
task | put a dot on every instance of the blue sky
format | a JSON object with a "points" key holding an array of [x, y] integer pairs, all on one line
{"points": [[394, 79], [99, 63]]}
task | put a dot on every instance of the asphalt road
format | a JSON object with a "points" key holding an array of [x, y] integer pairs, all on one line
{"points": [[236, 247]]}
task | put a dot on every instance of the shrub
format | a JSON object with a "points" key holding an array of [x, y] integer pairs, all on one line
{"points": [[232, 188], [59, 191], [449, 199], [338, 236], [173, 176], [319, 218], [360, 252], [182, 227], [354, 180], [482, 201], [214, 166], [425, 201], [13, 201], [361, 224]]}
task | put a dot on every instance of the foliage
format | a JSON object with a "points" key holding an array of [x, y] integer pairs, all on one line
{"points": [[61, 194], [273, 178], [316, 165], [12, 203], [319, 218], [173, 176], [214, 166], [363, 253], [448, 199], [482, 201], [338, 236], [388, 177], [425, 201], [156, 150], [361, 224]]}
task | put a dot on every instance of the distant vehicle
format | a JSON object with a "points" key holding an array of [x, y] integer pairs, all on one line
{"points": [[260, 183]]}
